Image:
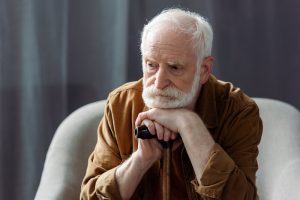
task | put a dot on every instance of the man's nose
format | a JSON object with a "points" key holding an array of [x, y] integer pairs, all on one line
{"points": [[161, 79]]}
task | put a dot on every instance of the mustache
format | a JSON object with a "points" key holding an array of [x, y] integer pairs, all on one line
{"points": [[170, 92]]}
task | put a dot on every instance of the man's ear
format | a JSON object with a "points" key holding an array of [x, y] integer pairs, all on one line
{"points": [[206, 68]]}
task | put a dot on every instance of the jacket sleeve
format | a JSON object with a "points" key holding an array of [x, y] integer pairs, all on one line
{"points": [[231, 168], [99, 181]]}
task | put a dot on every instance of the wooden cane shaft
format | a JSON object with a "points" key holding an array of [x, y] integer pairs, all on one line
{"points": [[166, 174]]}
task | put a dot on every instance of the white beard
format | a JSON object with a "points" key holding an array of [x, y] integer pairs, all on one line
{"points": [[170, 97]]}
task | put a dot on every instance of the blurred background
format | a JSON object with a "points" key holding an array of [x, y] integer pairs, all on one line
{"points": [[58, 55]]}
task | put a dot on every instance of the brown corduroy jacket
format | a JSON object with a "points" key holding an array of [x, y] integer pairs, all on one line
{"points": [[233, 121]]}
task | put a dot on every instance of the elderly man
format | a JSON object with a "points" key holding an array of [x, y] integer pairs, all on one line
{"points": [[215, 127]]}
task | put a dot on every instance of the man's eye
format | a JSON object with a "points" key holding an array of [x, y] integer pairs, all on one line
{"points": [[151, 65], [174, 67]]}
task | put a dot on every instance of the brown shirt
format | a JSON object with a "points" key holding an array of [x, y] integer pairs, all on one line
{"points": [[233, 121]]}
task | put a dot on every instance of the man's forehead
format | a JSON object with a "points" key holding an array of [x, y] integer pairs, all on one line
{"points": [[169, 52]]}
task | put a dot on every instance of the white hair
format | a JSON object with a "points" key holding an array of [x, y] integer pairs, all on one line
{"points": [[188, 22]]}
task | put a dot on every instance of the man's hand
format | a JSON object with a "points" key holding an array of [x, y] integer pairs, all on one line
{"points": [[150, 150], [172, 120], [195, 136]]}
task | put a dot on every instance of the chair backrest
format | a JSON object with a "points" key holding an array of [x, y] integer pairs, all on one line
{"points": [[279, 158], [68, 153]]}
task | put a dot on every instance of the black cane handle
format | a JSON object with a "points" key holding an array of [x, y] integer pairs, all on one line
{"points": [[142, 132]]}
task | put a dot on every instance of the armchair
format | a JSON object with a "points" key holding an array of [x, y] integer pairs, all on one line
{"points": [[278, 177]]}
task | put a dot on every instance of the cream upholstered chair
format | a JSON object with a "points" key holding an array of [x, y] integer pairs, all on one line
{"points": [[68, 153], [279, 159], [278, 177]]}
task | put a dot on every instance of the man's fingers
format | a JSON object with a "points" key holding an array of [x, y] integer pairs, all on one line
{"points": [[140, 118], [174, 135], [159, 131], [167, 134], [146, 115], [150, 125], [158, 124], [162, 133]]}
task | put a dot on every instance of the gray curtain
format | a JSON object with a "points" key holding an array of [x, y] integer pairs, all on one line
{"points": [[58, 55]]}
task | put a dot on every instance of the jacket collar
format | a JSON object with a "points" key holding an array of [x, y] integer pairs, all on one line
{"points": [[206, 106]]}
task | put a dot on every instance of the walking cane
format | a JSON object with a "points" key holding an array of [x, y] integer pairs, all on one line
{"points": [[142, 132]]}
